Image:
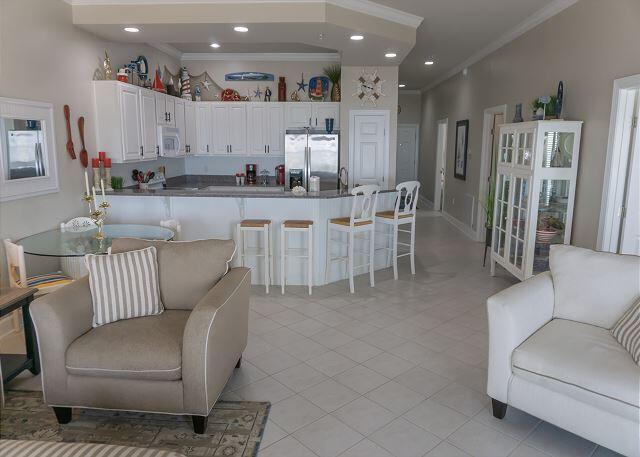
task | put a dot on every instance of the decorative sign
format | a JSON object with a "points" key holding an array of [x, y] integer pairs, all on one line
{"points": [[369, 87], [318, 88], [248, 76]]}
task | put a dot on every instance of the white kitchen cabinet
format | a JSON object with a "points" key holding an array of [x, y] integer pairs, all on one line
{"points": [[265, 128], [203, 128], [181, 125], [311, 114], [191, 139], [229, 133], [131, 126], [298, 115], [322, 111], [165, 109], [150, 149]]}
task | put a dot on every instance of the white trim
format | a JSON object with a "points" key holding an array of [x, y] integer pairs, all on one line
{"points": [[361, 6], [457, 223], [263, 57], [438, 191], [352, 137], [167, 49], [532, 21], [485, 162], [615, 168], [416, 155]]}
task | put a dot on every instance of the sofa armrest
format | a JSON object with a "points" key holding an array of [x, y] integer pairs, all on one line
{"points": [[514, 315], [213, 341], [59, 318]]}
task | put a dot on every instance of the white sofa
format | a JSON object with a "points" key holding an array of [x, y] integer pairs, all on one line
{"points": [[551, 352]]}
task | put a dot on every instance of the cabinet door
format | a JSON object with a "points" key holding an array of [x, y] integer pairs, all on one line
{"points": [[131, 123], [298, 115], [203, 128], [170, 104], [519, 221], [220, 130], [180, 123], [149, 125], [191, 139], [274, 129], [256, 128], [161, 109], [237, 128], [322, 111], [501, 215]]}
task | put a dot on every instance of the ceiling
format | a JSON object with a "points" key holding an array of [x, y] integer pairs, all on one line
{"points": [[246, 48]]}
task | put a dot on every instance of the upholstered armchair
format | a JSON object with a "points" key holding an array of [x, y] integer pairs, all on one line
{"points": [[177, 362]]}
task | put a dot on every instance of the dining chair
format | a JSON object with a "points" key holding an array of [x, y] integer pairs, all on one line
{"points": [[173, 224], [403, 213], [361, 220]]}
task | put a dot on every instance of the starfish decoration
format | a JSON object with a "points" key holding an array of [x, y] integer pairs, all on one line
{"points": [[302, 86], [257, 93], [206, 83]]}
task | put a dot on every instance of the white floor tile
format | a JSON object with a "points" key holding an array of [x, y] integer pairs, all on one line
{"points": [[482, 441], [445, 449], [266, 389], [388, 365], [366, 448], [294, 413], [461, 398], [361, 379], [272, 433], [308, 327], [300, 377], [274, 361], [305, 349], [358, 351], [403, 439], [329, 395], [559, 443], [282, 336], [395, 397], [356, 329], [332, 338], [516, 423], [527, 451], [331, 363], [364, 415], [287, 317], [287, 447], [328, 437], [422, 381]]}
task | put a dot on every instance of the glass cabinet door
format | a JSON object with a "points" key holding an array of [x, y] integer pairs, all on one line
{"points": [[519, 219], [502, 209], [557, 149], [524, 149], [507, 143], [553, 203]]}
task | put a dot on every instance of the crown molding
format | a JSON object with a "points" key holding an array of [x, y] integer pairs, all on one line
{"points": [[532, 21], [263, 57], [360, 6], [167, 49]]}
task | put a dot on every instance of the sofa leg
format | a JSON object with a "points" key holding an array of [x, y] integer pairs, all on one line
{"points": [[499, 408], [62, 414], [199, 424], [239, 362]]}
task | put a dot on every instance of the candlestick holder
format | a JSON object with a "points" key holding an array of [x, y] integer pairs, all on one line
{"points": [[98, 214]]}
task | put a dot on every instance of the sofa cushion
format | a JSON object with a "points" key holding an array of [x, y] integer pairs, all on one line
{"points": [[141, 348], [187, 269], [627, 331], [593, 287], [580, 360]]}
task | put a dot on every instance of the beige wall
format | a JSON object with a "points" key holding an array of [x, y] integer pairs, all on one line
{"points": [[388, 102], [410, 107], [588, 46], [44, 57]]}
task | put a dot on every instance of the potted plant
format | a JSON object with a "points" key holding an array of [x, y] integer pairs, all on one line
{"points": [[333, 72], [549, 108], [548, 228]]}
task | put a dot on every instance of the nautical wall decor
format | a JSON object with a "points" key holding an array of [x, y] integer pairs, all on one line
{"points": [[248, 76], [369, 87]]}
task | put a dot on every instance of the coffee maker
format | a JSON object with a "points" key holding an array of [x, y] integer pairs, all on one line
{"points": [[280, 175], [252, 173]]}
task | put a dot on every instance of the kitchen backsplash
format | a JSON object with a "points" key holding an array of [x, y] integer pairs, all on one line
{"points": [[225, 165]]}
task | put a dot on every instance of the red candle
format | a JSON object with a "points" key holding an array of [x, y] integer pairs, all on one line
{"points": [[107, 162], [95, 162], [102, 155]]}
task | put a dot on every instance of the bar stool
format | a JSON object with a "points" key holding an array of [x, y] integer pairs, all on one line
{"points": [[403, 213], [362, 220], [259, 226], [287, 227]]}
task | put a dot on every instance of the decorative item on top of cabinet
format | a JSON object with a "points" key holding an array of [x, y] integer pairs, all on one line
{"points": [[248, 76], [106, 64], [257, 94], [369, 87], [197, 93], [518, 116], [185, 84], [230, 95], [334, 72], [559, 100], [282, 89], [302, 86], [318, 88], [294, 96], [157, 85], [267, 94]]}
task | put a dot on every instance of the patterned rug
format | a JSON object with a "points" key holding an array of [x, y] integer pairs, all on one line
{"points": [[235, 428]]}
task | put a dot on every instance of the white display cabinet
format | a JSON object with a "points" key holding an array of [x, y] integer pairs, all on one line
{"points": [[535, 188]]}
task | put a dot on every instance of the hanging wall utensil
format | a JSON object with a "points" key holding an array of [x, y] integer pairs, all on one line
{"points": [[84, 156], [67, 116]]}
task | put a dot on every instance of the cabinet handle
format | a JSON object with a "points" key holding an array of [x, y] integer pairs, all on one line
{"points": [[309, 121], [230, 149], [157, 150], [207, 148], [268, 149], [141, 150], [170, 119], [165, 117]]}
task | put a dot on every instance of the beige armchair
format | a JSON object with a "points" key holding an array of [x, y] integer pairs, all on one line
{"points": [[177, 362]]}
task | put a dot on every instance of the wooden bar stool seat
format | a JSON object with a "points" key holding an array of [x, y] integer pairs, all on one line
{"points": [[254, 222], [297, 224]]}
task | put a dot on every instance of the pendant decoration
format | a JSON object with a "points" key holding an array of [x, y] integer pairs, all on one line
{"points": [[369, 87]]}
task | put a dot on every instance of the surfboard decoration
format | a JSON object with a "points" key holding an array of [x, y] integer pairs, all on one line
{"points": [[248, 76]]}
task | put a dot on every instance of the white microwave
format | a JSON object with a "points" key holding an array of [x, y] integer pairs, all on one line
{"points": [[168, 141]]}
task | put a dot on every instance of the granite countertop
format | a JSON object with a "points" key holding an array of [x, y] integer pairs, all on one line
{"points": [[223, 186]]}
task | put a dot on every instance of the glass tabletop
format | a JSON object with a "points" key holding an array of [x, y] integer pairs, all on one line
{"points": [[56, 243]]}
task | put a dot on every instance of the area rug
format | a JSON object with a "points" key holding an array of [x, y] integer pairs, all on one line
{"points": [[235, 427]]}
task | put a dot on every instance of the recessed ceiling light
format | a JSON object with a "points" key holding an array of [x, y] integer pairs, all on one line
{"points": [[214, 45], [402, 85], [357, 37], [429, 62], [241, 28], [131, 29], [390, 55]]}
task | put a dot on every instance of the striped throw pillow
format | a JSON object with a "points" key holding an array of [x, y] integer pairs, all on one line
{"points": [[124, 285], [627, 331]]}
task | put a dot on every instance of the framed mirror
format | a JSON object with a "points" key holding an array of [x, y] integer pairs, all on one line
{"points": [[27, 156]]}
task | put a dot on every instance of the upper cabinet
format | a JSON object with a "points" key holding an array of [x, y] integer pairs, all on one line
{"points": [[203, 129], [165, 109], [190, 136], [311, 114], [181, 125], [265, 128], [229, 132]]}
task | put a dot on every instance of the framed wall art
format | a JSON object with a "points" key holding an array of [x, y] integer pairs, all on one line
{"points": [[462, 145]]}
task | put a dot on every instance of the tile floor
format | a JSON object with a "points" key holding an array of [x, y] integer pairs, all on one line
{"points": [[397, 370]]}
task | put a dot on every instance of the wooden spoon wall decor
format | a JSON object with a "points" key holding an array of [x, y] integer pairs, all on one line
{"points": [[84, 156], [67, 116]]}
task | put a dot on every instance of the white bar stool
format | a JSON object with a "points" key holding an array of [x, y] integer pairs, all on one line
{"points": [[401, 215], [287, 227], [260, 226], [362, 220]]}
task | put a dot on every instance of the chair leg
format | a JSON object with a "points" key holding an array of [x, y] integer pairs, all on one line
{"points": [[350, 258], [413, 247], [240, 246], [239, 362], [265, 232], [372, 256], [271, 253], [310, 258], [395, 252], [327, 266], [63, 414], [199, 424], [283, 259], [499, 408]]}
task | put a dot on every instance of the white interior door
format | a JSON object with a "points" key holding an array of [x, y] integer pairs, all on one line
{"points": [[441, 165], [406, 153], [630, 230], [369, 149]]}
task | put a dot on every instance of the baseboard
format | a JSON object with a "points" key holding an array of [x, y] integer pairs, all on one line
{"points": [[425, 203], [457, 223]]}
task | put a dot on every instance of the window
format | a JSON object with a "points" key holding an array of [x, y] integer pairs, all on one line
{"points": [[27, 157]]}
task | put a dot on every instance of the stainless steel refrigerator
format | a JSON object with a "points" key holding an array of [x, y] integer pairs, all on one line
{"points": [[311, 152]]}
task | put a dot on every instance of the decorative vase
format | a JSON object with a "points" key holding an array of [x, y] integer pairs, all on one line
{"points": [[335, 92], [282, 89]]}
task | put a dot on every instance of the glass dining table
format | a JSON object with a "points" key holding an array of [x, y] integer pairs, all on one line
{"points": [[72, 245]]}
